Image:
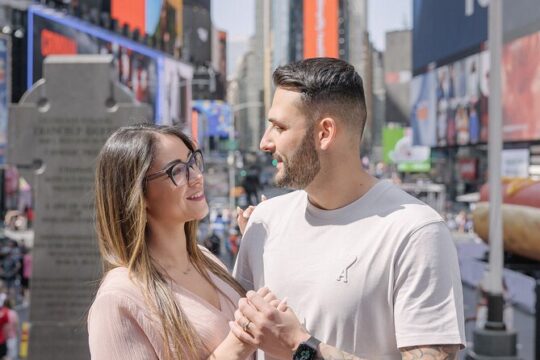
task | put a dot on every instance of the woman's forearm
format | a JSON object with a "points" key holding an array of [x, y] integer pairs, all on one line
{"points": [[232, 349]]}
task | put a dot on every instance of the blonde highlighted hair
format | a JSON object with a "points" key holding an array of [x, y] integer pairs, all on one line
{"points": [[122, 231]]}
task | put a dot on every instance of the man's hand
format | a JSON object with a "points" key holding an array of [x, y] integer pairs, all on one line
{"points": [[259, 322]]}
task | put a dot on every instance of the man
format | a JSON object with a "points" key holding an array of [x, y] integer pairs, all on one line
{"points": [[371, 272]]}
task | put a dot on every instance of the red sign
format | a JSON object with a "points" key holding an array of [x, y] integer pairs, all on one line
{"points": [[321, 28], [53, 43], [467, 169], [131, 12]]}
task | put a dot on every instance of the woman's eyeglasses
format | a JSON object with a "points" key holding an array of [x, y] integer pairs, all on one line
{"points": [[179, 171]]}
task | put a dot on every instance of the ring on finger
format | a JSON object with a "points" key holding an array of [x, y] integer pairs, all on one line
{"points": [[246, 326]]}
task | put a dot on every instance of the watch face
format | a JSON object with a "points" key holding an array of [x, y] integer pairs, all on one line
{"points": [[304, 352]]}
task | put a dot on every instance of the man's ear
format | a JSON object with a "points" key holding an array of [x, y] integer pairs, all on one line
{"points": [[326, 132]]}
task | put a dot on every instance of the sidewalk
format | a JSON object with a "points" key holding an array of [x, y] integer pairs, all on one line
{"points": [[471, 251]]}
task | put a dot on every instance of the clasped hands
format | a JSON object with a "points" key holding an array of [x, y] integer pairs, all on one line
{"points": [[265, 322]]}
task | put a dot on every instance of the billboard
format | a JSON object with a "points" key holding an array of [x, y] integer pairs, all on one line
{"points": [[461, 94], [515, 163], [321, 28], [198, 32], [444, 28], [176, 99], [398, 149], [460, 102], [423, 109], [161, 18], [215, 119], [521, 89], [5, 94], [54, 33]]}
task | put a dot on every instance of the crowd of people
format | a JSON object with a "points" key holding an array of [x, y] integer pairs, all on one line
{"points": [[9, 329], [15, 274], [13, 291]]}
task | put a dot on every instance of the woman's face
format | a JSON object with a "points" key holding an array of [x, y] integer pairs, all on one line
{"points": [[166, 202]]}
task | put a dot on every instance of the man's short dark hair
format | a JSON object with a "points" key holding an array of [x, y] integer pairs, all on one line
{"points": [[329, 87]]}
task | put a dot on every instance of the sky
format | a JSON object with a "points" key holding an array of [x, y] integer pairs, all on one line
{"points": [[388, 15], [237, 17]]}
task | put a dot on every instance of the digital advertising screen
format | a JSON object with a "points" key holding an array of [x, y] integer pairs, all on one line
{"points": [[164, 19], [321, 28], [53, 33], [176, 99], [423, 109], [444, 28], [521, 89], [5, 94]]}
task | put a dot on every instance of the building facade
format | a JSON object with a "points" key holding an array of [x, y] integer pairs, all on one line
{"points": [[450, 89]]}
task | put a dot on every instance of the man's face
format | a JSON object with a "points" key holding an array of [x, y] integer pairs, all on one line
{"points": [[290, 139]]}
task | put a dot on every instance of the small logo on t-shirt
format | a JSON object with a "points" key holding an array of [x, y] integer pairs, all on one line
{"points": [[344, 274]]}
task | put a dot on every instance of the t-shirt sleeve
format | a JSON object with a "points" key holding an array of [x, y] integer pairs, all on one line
{"points": [[427, 294], [243, 270], [115, 330]]}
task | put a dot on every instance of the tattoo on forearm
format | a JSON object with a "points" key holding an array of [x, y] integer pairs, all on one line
{"points": [[435, 352], [328, 352]]}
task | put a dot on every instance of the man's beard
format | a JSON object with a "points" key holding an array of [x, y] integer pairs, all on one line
{"points": [[300, 170]]}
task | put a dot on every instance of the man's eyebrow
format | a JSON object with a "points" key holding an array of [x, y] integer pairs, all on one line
{"points": [[274, 121]]}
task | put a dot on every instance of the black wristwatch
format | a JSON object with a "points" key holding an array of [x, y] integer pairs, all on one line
{"points": [[307, 350]]}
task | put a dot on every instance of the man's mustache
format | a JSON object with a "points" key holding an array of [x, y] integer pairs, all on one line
{"points": [[277, 157]]}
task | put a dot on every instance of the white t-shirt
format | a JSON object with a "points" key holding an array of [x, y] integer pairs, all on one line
{"points": [[378, 274]]}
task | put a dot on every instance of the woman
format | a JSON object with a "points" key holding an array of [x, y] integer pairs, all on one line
{"points": [[162, 296]]}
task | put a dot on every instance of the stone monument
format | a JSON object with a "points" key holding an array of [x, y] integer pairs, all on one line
{"points": [[55, 134]]}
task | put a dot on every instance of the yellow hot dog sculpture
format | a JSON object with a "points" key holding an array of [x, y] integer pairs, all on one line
{"points": [[520, 213]]}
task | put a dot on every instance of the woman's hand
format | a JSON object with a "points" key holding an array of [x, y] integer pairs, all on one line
{"points": [[242, 215], [267, 323], [232, 348]]}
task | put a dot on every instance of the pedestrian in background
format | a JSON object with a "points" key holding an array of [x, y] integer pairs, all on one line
{"points": [[29, 213], [252, 185], [213, 243], [162, 296], [11, 264], [371, 271], [11, 330], [26, 273], [4, 320]]}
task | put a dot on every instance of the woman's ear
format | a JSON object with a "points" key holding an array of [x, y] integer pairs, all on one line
{"points": [[326, 133]]}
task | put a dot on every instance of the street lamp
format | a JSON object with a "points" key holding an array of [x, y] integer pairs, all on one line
{"points": [[231, 161], [494, 341]]}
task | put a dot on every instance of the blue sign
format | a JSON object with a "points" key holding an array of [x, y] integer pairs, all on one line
{"points": [[4, 93], [218, 115], [446, 28], [423, 110]]}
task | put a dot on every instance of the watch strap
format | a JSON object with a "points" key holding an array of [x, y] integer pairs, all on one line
{"points": [[313, 342]]}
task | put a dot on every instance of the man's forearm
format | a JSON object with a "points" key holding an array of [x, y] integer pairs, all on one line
{"points": [[435, 352], [327, 352]]}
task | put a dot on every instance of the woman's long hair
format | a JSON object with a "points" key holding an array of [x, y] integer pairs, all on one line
{"points": [[122, 231]]}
